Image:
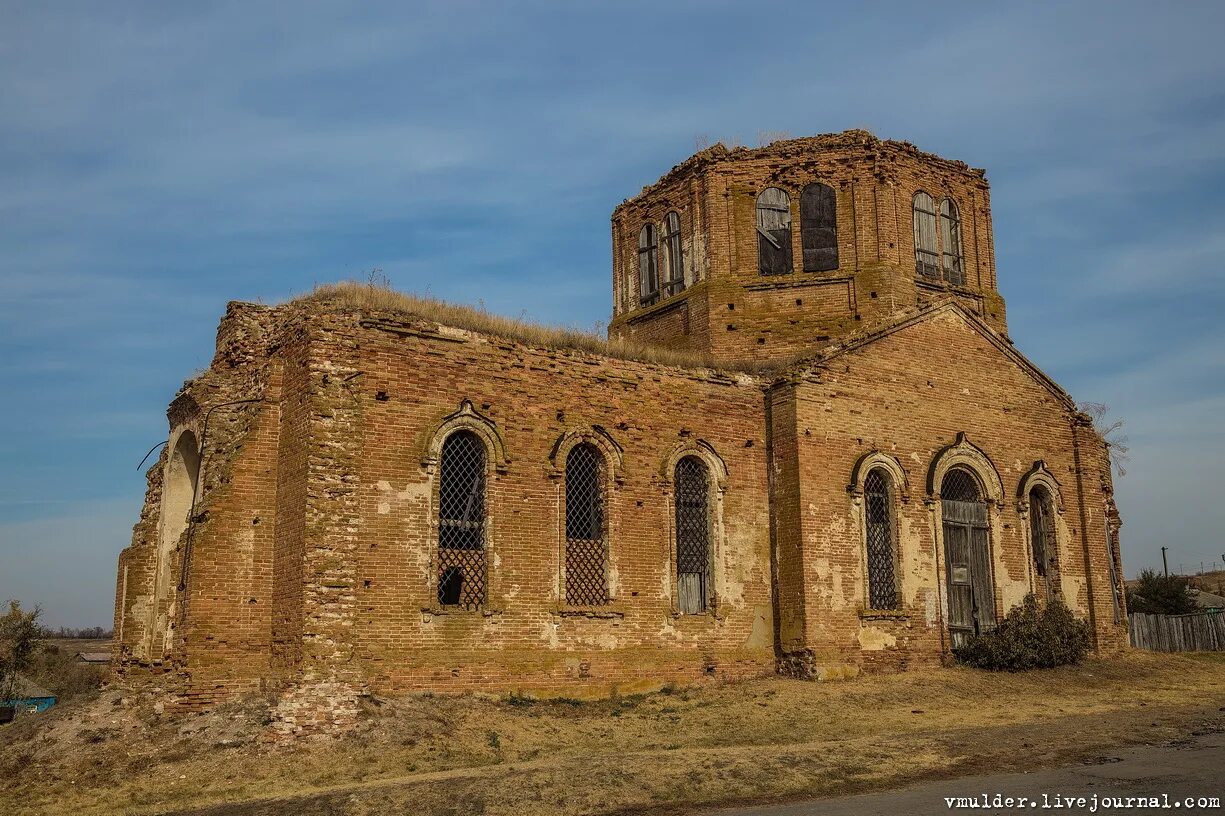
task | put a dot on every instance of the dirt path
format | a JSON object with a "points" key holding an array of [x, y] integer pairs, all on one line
{"points": [[1184, 776]]}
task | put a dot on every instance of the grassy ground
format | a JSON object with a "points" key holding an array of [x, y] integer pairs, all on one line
{"points": [[763, 739]]}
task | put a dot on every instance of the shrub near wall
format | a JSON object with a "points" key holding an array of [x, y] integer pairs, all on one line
{"points": [[1029, 637]]}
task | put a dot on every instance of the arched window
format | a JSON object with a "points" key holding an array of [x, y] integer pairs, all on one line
{"points": [[950, 241], [673, 255], [461, 522], [182, 471], [882, 554], [586, 528], [926, 249], [693, 535], [819, 228], [178, 492], [774, 232], [648, 265], [1042, 530], [967, 555]]}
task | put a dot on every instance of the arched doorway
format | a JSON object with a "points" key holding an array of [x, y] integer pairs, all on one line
{"points": [[967, 553]]}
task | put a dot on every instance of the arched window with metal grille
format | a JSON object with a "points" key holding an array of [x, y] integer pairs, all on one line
{"points": [[926, 247], [586, 527], [674, 255], [774, 232], [462, 568], [882, 553], [648, 265], [694, 557], [967, 555], [950, 242], [819, 227]]}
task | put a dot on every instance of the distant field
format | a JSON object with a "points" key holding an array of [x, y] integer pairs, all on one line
{"points": [[756, 741], [73, 645]]}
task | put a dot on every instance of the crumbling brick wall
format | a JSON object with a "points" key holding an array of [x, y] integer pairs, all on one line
{"points": [[737, 314]]}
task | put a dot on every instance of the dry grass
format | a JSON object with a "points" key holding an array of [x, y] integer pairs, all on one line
{"points": [[764, 739], [378, 296]]}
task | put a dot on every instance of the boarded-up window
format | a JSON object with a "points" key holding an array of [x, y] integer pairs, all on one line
{"points": [[819, 228], [950, 242], [586, 533], [693, 522], [926, 249], [1042, 530], [774, 232], [648, 265], [461, 521], [967, 556], [882, 555], [673, 255]]}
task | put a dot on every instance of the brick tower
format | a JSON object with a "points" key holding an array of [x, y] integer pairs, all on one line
{"points": [[759, 254]]}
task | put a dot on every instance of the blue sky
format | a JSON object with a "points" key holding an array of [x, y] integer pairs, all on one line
{"points": [[158, 160]]}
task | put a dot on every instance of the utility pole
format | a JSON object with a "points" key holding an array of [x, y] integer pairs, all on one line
{"points": [[1164, 565]]}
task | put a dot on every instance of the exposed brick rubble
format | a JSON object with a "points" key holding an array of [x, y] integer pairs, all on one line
{"points": [[311, 563]]}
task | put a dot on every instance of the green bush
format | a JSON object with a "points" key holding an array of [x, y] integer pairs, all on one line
{"points": [[1029, 637], [1158, 594]]}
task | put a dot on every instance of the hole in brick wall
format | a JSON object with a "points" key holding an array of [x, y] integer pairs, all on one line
{"points": [[639, 503], [748, 443], [684, 432], [623, 426], [761, 341], [873, 295], [710, 668], [890, 244], [255, 521], [252, 601], [799, 301], [450, 583], [561, 416], [366, 583], [822, 338], [381, 396], [857, 317], [731, 307], [731, 326], [485, 406]]}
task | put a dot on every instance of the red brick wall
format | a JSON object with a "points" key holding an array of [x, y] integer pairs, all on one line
{"points": [[756, 317], [909, 396], [523, 640]]}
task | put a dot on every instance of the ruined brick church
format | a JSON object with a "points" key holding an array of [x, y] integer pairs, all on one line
{"points": [[808, 446]]}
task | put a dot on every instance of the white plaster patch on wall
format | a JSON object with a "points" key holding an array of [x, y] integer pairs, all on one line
{"points": [[549, 634], [872, 639], [931, 610]]}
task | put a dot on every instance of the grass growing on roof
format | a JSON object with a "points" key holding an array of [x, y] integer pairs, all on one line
{"points": [[378, 296]]}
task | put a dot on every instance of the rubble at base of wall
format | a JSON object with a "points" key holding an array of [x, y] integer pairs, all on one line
{"points": [[805, 665]]}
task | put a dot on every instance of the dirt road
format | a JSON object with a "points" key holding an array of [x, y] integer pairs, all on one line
{"points": [[1183, 777]]}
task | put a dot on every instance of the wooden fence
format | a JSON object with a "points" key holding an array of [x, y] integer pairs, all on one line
{"points": [[1200, 632]]}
